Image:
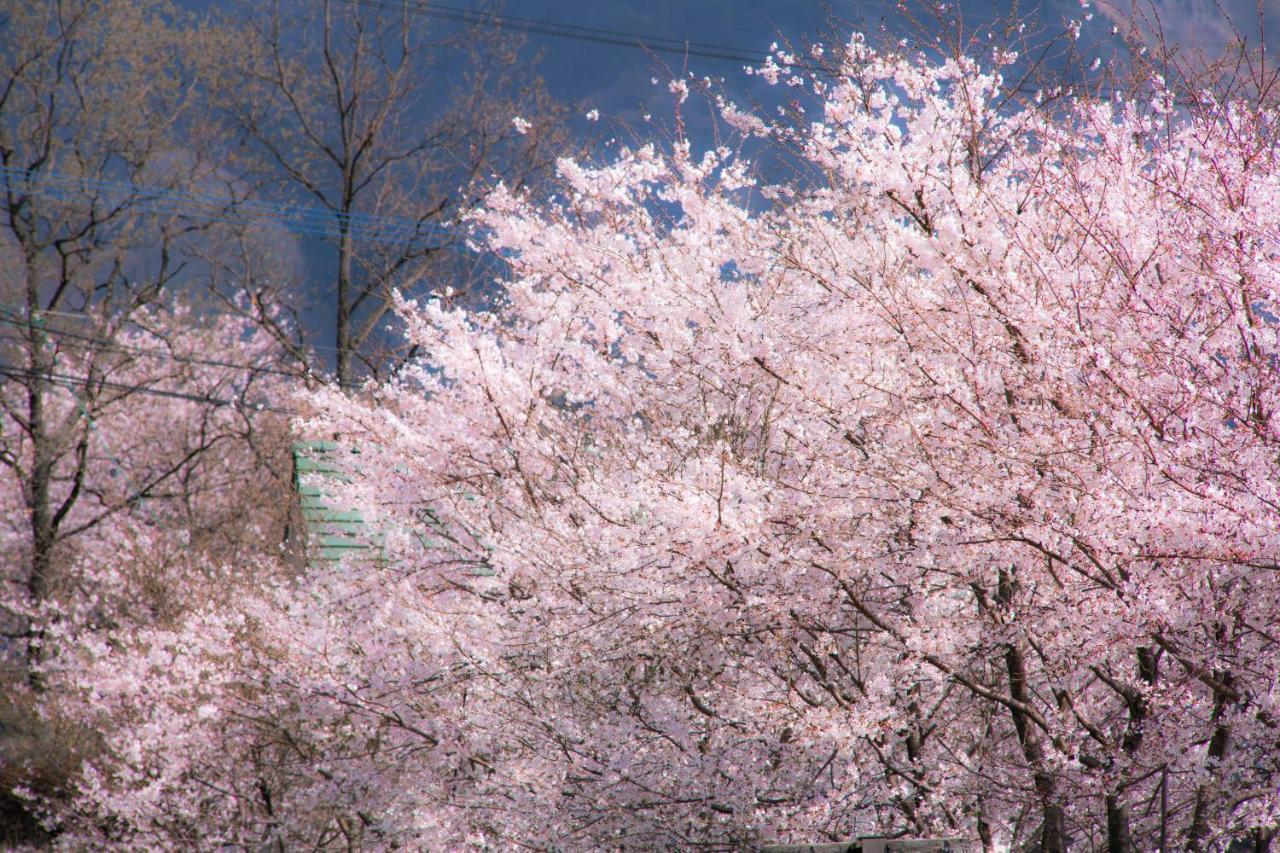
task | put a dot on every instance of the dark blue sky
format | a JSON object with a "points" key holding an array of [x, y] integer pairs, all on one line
{"points": [[616, 80]]}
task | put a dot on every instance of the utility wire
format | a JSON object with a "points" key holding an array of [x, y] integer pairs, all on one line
{"points": [[77, 315], [632, 38], [83, 318], [301, 219], [104, 345], [70, 381], [638, 41], [535, 26], [109, 345], [597, 35]]}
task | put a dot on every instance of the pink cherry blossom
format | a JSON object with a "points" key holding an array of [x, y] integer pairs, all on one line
{"points": [[937, 496]]}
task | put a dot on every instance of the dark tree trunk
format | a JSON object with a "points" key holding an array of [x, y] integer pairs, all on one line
{"points": [[1118, 839]]}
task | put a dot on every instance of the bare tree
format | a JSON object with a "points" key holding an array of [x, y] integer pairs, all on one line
{"points": [[389, 126], [99, 129]]}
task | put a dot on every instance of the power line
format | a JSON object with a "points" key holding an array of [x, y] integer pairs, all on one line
{"points": [[109, 345], [563, 28], [575, 32], [70, 381], [598, 35], [82, 316], [302, 219], [619, 38], [536, 26]]}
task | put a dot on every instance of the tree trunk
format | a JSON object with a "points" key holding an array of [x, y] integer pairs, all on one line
{"points": [[1053, 836], [1118, 839], [346, 252], [37, 487], [1218, 745]]}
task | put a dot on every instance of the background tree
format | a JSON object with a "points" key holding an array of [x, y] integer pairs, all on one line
{"points": [[1219, 48], [392, 125], [130, 445], [77, 83], [171, 487]]}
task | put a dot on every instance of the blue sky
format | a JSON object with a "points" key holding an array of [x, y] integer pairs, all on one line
{"points": [[617, 80]]}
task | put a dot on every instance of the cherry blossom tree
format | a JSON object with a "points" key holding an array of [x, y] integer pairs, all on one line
{"points": [[938, 497], [139, 480], [164, 485]]}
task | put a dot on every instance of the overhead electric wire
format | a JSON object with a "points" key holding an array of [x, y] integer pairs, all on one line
{"points": [[77, 315], [623, 38], [596, 35], [67, 380], [632, 38], [534, 26], [302, 219], [109, 345]]}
